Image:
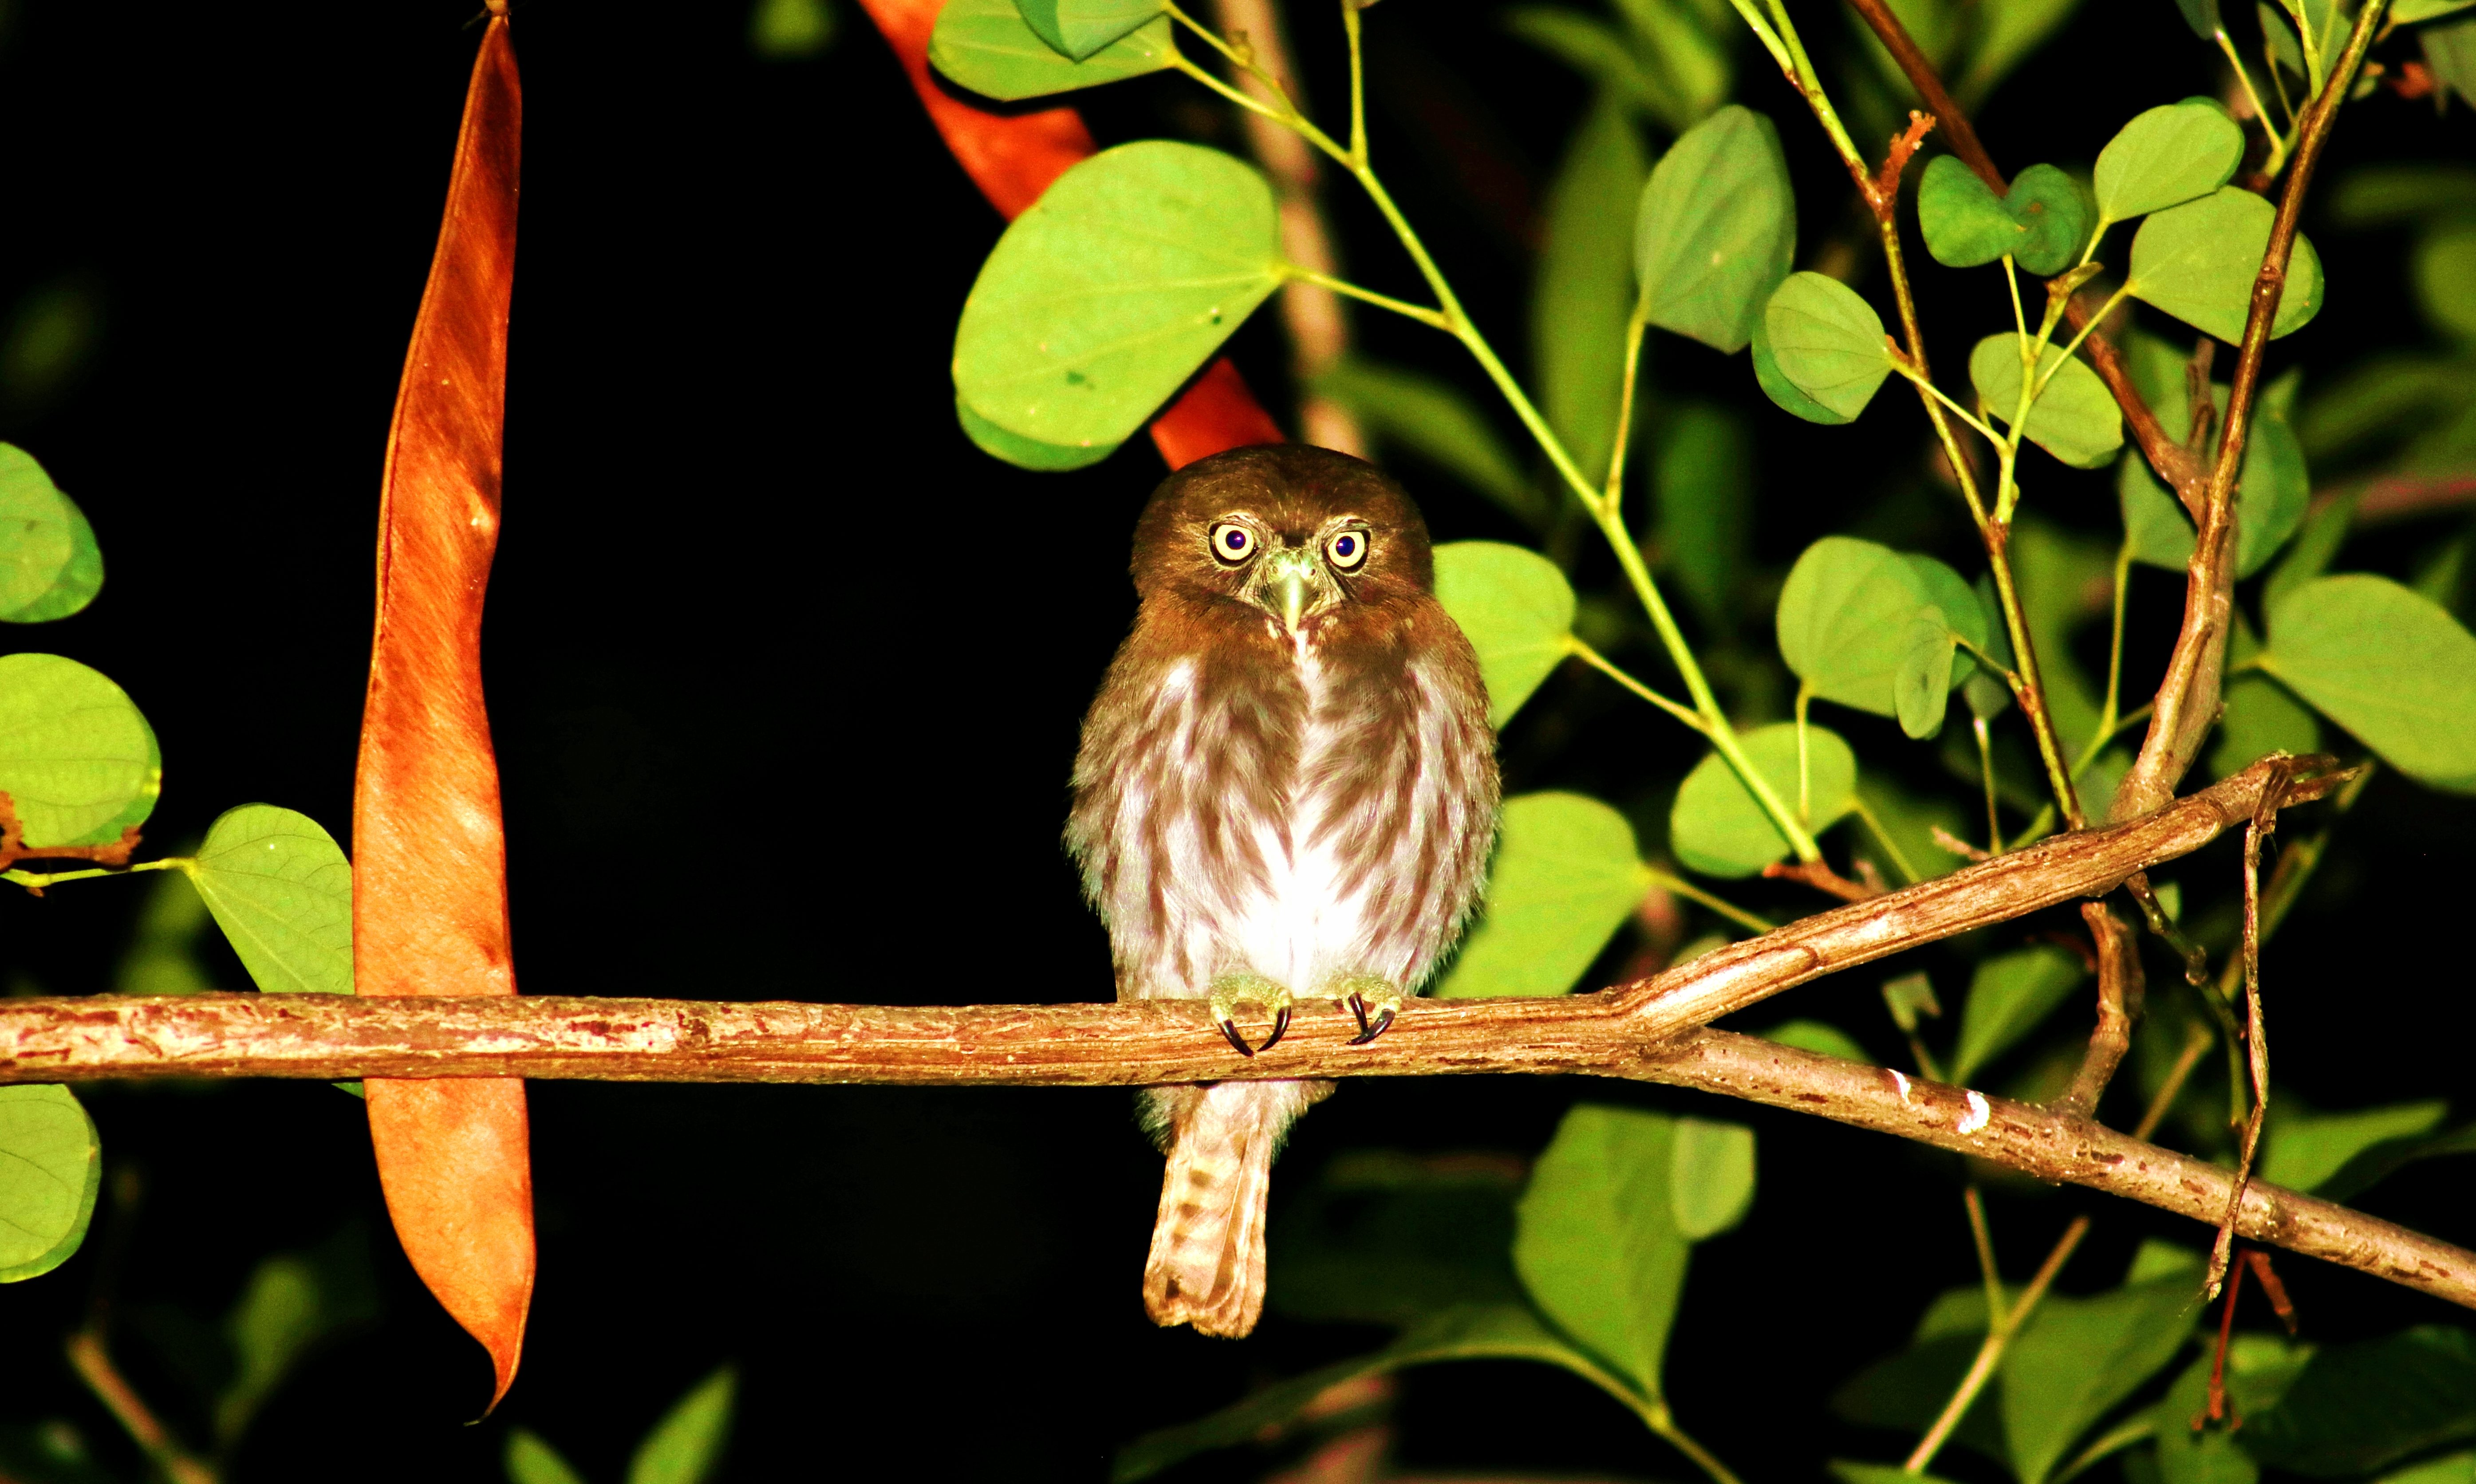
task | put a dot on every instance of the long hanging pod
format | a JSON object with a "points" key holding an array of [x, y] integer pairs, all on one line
{"points": [[429, 895]]}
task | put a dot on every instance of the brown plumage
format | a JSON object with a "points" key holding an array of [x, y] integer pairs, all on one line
{"points": [[1287, 788]]}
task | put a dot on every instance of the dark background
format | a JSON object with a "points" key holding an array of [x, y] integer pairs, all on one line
{"points": [[786, 679]]}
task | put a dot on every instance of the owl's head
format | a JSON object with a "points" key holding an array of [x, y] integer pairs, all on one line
{"points": [[1296, 531]]}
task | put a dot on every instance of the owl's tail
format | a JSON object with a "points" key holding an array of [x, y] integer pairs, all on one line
{"points": [[1207, 1267]]}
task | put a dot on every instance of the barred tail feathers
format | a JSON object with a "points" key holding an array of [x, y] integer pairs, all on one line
{"points": [[1207, 1266]]}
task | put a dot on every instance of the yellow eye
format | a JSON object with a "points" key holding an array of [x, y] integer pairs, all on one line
{"points": [[1347, 550], [1232, 543]]}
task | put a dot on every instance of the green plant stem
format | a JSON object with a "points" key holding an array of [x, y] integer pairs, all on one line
{"points": [[2030, 690], [1402, 307], [1686, 889], [1975, 424], [38, 879], [92, 1363], [1658, 1420], [2003, 1325], [2106, 718], [1350, 25], [1612, 495], [1983, 1236], [1601, 664], [2085, 331], [2114, 1441], [1883, 837], [1455, 321], [2277, 159], [1986, 774]]}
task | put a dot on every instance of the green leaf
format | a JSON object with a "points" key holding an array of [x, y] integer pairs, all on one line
{"points": [[1906, 1392], [1776, 385], [2075, 418], [1848, 1471], [2042, 221], [2078, 1357], [2166, 156], [1710, 1176], [1922, 683], [1471, 1332], [1717, 828], [1905, 850], [2449, 1468], [2445, 277], [1517, 610], [685, 1446], [77, 760], [1818, 1037], [1081, 27], [2408, 11], [1565, 877], [2260, 719], [2061, 583], [2258, 1371], [1596, 1238], [2202, 15], [50, 567], [2278, 40], [2450, 51], [2389, 666], [2402, 194], [1598, 50], [1963, 615], [1844, 620], [1827, 342], [1413, 412], [984, 45], [48, 1181], [2009, 996], [1699, 484], [1715, 229], [2361, 1407], [2317, 545], [279, 1316], [530, 1460], [2154, 521], [2378, 1163], [1117, 282], [1585, 292], [1026, 452], [2197, 262], [2300, 1151], [282, 893], [2008, 31], [1443, 1220]]}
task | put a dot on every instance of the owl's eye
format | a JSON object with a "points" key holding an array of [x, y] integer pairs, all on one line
{"points": [[1347, 550], [1232, 544]]}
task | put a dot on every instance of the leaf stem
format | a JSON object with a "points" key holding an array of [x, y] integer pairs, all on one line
{"points": [[2003, 1325], [1431, 318], [1658, 1420], [2277, 146], [37, 880], [1986, 772], [1696, 894], [1601, 664], [1613, 493]]}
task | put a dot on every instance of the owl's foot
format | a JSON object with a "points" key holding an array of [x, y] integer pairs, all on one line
{"points": [[1232, 990], [1373, 1000]]}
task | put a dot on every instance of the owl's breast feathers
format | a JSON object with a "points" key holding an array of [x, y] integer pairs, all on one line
{"points": [[1298, 809]]}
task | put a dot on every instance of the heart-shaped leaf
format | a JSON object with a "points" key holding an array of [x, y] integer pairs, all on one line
{"points": [[50, 567], [2040, 222], [1585, 288], [1596, 1238], [2390, 665], [2197, 262], [77, 760], [1565, 877], [1710, 1176], [1827, 342], [1715, 229], [2165, 156], [1026, 452], [1079, 27], [1844, 615], [1921, 682], [1518, 612], [282, 891], [987, 46], [1104, 296], [51, 1166], [2202, 15], [2075, 418], [1717, 828], [1776, 385]]}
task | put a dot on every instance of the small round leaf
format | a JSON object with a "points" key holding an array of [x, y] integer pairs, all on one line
{"points": [[1844, 620], [282, 891], [1105, 296], [1026, 452], [2075, 418], [77, 760], [1565, 877], [985, 46], [2040, 222], [1518, 612], [2197, 262], [1779, 389], [2165, 156], [49, 564], [1828, 341], [52, 1169], [1081, 27], [1715, 228], [1718, 828], [2386, 663]]}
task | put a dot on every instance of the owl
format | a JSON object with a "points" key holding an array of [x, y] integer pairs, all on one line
{"points": [[1286, 789]]}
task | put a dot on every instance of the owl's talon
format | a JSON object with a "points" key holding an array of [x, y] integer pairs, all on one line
{"points": [[1232, 990], [1383, 1022], [1363, 993]]}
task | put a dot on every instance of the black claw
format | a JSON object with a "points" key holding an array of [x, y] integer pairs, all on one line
{"points": [[1281, 1025], [1358, 1008], [1229, 1029], [1383, 1023]]}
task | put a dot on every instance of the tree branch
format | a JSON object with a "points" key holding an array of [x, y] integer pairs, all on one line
{"points": [[1649, 1030], [2187, 703]]}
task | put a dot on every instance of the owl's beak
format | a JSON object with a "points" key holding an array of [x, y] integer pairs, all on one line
{"points": [[1292, 584]]}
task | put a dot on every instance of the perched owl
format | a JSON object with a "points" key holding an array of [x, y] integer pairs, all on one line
{"points": [[1287, 788]]}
